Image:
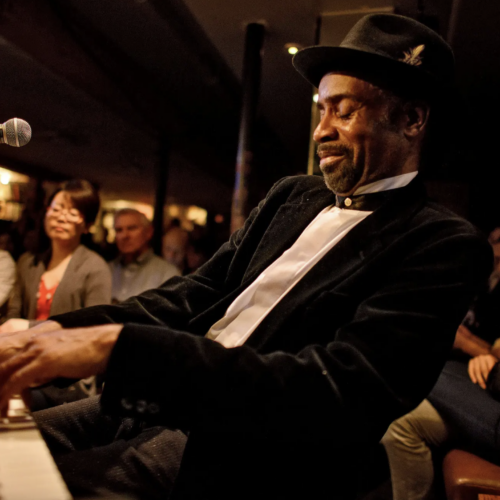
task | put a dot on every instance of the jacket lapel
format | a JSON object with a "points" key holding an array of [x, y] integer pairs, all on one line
{"points": [[355, 250], [362, 242], [368, 237], [287, 225]]}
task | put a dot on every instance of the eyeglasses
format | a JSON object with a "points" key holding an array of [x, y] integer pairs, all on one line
{"points": [[71, 214]]}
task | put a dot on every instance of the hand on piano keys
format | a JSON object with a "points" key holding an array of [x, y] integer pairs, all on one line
{"points": [[43, 353]]}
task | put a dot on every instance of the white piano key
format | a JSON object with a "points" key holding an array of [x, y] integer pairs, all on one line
{"points": [[27, 469]]}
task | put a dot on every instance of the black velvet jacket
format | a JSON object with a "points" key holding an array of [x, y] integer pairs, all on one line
{"points": [[357, 342]]}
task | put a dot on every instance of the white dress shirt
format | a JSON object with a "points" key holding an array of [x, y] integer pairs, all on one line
{"points": [[250, 308]]}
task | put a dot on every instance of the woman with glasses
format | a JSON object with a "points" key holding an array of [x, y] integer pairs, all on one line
{"points": [[67, 277]]}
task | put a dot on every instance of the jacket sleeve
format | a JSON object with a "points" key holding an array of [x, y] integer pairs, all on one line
{"points": [[97, 284], [368, 373]]}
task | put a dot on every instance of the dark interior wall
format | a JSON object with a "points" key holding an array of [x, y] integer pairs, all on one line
{"points": [[472, 177], [476, 41]]}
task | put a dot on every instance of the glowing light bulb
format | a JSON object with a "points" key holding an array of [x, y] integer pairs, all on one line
{"points": [[292, 48], [315, 97], [5, 178]]}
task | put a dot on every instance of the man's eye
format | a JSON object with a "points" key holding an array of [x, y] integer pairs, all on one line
{"points": [[344, 115], [345, 111]]}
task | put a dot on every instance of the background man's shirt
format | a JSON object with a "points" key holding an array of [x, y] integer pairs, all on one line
{"points": [[146, 272]]}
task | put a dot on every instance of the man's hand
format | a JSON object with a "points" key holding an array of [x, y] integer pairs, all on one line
{"points": [[480, 367], [12, 342], [41, 354]]}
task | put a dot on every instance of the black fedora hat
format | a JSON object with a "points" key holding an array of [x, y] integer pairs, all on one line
{"points": [[398, 51]]}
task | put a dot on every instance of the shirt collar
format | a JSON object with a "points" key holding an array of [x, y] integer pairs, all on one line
{"points": [[373, 195], [142, 259], [395, 182]]}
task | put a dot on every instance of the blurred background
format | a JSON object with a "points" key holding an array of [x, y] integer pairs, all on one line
{"points": [[144, 98]]}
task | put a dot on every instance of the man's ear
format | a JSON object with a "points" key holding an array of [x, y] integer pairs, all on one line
{"points": [[416, 118]]}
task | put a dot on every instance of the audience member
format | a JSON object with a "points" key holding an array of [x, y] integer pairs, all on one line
{"points": [[196, 256], [7, 280], [174, 247], [137, 268], [269, 371], [459, 411], [65, 278], [197, 253]]}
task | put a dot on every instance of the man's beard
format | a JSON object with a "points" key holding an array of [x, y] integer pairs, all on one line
{"points": [[344, 175]]}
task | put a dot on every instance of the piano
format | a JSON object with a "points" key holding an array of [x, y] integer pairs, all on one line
{"points": [[27, 470]]}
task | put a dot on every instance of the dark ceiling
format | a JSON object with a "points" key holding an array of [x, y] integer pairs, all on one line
{"points": [[108, 85]]}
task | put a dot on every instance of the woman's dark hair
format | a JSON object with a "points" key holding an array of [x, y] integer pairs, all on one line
{"points": [[84, 197]]}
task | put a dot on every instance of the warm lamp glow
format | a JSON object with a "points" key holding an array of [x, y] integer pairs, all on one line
{"points": [[292, 48]]}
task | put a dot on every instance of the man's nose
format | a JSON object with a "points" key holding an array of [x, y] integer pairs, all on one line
{"points": [[326, 130]]}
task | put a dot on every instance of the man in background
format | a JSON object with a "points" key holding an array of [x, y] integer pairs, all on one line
{"points": [[174, 247], [137, 268]]}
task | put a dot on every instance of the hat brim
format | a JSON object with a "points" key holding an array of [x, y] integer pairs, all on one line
{"points": [[313, 63]]}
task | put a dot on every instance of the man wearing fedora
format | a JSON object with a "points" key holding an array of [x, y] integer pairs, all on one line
{"points": [[327, 316]]}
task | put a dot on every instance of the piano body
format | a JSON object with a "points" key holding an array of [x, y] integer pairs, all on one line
{"points": [[27, 470]]}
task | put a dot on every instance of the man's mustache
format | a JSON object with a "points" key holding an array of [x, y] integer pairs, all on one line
{"points": [[328, 148]]}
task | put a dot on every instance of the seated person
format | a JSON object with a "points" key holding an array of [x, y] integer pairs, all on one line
{"points": [[65, 278], [459, 411], [174, 247], [137, 268]]}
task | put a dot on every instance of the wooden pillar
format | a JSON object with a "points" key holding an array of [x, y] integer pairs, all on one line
{"points": [[251, 83]]}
